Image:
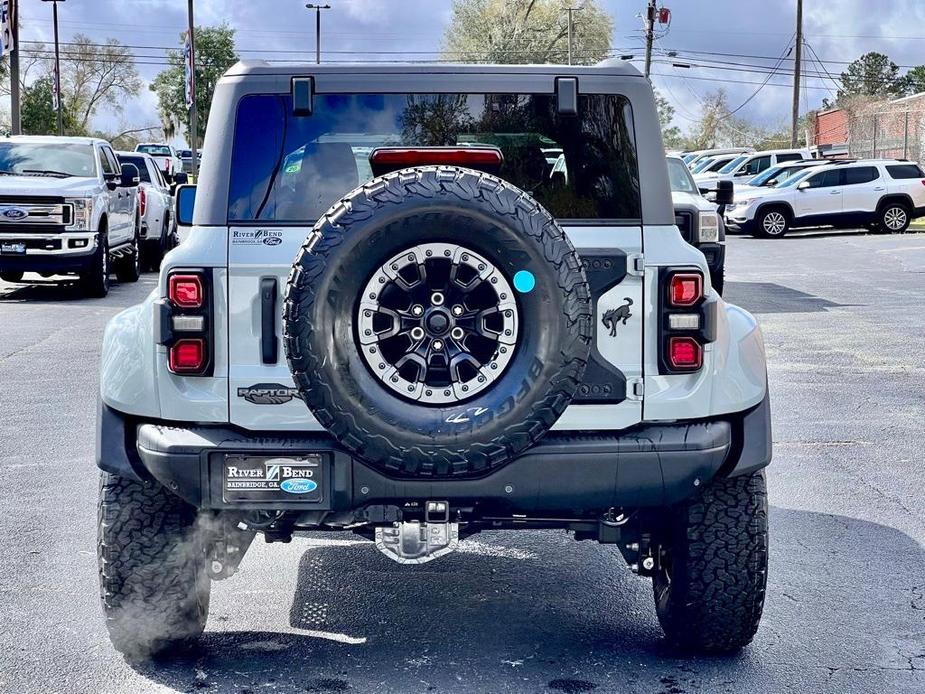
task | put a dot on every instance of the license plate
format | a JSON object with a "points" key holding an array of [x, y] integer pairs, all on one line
{"points": [[13, 248], [294, 479]]}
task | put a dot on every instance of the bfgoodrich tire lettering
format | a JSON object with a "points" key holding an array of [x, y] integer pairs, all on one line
{"points": [[153, 583], [397, 212], [710, 583]]}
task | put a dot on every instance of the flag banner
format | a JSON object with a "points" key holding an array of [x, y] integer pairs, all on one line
{"points": [[6, 28], [189, 81]]}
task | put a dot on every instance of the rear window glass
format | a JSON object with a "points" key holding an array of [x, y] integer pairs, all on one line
{"points": [[900, 171], [292, 169], [860, 174], [155, 150]]}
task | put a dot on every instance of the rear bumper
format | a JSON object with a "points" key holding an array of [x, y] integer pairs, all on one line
{"points": [[650, 466]]}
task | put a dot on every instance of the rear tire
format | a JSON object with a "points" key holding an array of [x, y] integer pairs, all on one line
{"points": [[894, 218], [128, 268], [152, 565], [771, 223], [11, 276], [711, 575], [94, 281]]}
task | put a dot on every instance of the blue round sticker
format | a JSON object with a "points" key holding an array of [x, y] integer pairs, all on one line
{"points": [[524, 281]]}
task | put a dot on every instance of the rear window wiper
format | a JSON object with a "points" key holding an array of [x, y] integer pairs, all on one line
{"points": [[47, 172]]}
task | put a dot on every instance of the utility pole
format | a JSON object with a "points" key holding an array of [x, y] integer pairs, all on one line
{"points": [[54, 5], [570, 10], [193, 111], [317, 9], [15, 99], [651, 11], [797, 66]]}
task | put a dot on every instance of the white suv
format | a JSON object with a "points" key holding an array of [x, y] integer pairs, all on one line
{"points": [[878, 194], [745, 166]]}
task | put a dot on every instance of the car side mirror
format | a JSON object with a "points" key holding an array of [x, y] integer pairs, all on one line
{"points": [[184, 203], [130, 176], [803, 185], [181, 178], [771, 182], [725, 192]]}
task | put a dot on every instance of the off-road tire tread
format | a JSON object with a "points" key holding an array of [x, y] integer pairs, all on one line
{"points": [[474, 188], [153, 584], [720, 557]]}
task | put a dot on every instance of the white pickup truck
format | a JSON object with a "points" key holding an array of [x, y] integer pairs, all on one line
{"points": [[167, 158], [67, 207], [155, 202]]}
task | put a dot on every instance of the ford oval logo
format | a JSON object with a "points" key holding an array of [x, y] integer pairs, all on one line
{"points": [[272, 240], [298, 486], [14, 214]]}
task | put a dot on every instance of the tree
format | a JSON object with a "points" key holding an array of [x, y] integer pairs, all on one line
{"points": [[526, 31], [915, 80], [93, 75], [215, 53], [671, 134], [873, 74], [38, 114]]}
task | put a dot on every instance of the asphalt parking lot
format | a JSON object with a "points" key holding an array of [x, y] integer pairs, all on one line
{"points": [[844, 319]]}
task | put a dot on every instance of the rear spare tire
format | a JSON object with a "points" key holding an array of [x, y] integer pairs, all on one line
{"points": [[437, 321]]}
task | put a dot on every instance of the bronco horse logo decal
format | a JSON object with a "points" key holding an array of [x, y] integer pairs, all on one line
{"points": [[617, 315]]}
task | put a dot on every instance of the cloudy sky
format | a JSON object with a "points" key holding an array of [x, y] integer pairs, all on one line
{"points": [[838, 31]]}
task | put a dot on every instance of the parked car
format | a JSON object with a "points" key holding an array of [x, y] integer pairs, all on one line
{"points": [[698, 220], [384, 359], [708, 164], [692, 158], [155, 209], [883, 195], [168, 161], [186, 157], [747, 166], [777, 174], [67, 207]]}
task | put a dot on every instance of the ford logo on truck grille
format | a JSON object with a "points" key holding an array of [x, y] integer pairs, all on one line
{"points": [[13, 214]]}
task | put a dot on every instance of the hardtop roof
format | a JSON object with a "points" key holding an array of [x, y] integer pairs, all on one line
{"points": [[611, 67]]}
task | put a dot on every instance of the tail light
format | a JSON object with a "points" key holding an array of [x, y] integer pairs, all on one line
{"points": [[185, 291], [185, 323], [187, 355], [685, 353], [686, 320], [142, 201], [384, 160]]}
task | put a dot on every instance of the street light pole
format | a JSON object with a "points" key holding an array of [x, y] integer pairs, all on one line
{"points": [[15, 100], [317, 9], [54, 4], [193, 111]]}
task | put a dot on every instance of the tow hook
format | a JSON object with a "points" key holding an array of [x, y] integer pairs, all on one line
{"points": [[414, 542]]}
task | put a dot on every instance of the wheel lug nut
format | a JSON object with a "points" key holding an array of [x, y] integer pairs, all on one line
{"points": [[438, 345], [417, 333], [456, 333], [457, 310], [417, 310], [436, 299]]}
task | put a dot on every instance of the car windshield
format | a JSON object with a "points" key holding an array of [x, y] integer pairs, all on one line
{"points": [[156, 150], [139, 163], [773, 172], [58, 159], [680, 177], [796, 178], [290, 169], [731, 166], [702, 164]]}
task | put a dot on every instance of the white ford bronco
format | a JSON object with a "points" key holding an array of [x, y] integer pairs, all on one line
{"points": [[398, 316]]}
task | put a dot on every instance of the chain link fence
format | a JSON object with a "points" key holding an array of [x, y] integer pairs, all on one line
{"points": [[895, 131]]}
